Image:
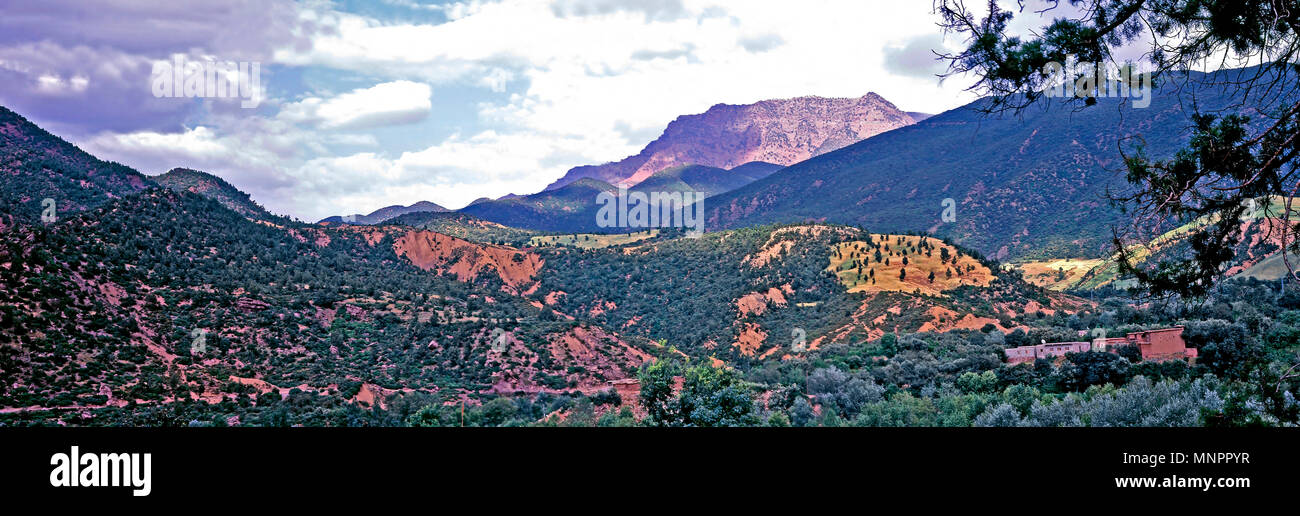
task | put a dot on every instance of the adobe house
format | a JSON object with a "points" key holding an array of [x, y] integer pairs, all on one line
{"points": [[1155, 345], [1045, 350]]}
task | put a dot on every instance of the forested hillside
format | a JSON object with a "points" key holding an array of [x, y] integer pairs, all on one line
{"points": [[36, 165], [208, 185], [167, 296], [1024, 185], [189, 305]]}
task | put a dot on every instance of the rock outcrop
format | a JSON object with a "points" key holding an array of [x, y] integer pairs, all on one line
{"points": [[783, 132]]}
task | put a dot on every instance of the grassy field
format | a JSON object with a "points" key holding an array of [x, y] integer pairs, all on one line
{"points": [[1059, 274], [1271, 268], [592, 240], [1108, 272], [903, 263]]}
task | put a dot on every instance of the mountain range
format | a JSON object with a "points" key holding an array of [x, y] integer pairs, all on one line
{"points": [[177, 291], [573, 206], [897, 178], [1022, 186], [782, 132], [768, 134], [386, 213]]}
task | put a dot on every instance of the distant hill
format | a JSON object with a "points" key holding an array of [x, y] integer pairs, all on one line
{"points": [[782, 132], [35, 165], [757, 169], [386, 213], [707, 180], [918, 116], [208, 185], [572, 208], [464, 226]]}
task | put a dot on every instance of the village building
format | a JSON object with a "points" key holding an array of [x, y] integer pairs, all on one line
{"points": [[1154, 345], [1048, 351]]}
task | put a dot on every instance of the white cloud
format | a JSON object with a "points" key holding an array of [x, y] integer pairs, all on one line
{"points": [[279, 166], [497, 79], [614, 68], [252, 154], [389, 103], [198, 142], [56, 85], [572, 82], [451, 173], [51, 84]]}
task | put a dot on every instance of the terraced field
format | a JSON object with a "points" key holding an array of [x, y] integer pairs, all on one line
{"points": [[1060, 274]]}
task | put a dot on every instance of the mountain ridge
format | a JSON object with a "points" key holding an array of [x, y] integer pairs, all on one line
{"points": [[1034, 184], [386, 213], [210, 185], [36, 165], [780, 131]]}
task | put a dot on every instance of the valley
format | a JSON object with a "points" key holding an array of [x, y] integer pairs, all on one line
{"points": [[177, 300], [498, 249]]}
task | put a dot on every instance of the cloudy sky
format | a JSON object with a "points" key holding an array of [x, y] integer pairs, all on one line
{"points": [[382, 102]]}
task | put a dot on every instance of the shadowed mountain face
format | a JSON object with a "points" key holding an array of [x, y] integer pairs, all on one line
{"points": [[706, 180], [465, 227], [36, 165], [387, 213], [570, 208], [782, 132], [1022, 186], [573, 207]]}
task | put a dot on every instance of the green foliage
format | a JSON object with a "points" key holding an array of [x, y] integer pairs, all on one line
{"points": [[657, 392], [213, 187], [713, 397], [1228, 161]]}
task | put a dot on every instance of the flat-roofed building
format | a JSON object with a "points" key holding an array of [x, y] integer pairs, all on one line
{"points": [[1161, 345], [1154, 345], [1049, 351]]}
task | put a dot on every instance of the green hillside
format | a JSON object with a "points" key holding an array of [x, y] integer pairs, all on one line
{"points": [[1027, 186], [36, 165], [208, 185]]}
